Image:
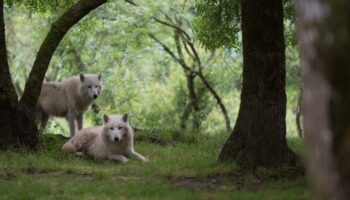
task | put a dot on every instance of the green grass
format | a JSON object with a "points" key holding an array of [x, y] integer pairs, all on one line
{"points": [[177, 171]]}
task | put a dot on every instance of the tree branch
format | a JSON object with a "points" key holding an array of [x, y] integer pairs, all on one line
{"points": [[187, 50], [130, 2], [173, 26], [178, 45], [186, 37], [192, 52], [76, 56], [167, 49], [58, 30], [298, 115], [194, 55], [218, 101]]}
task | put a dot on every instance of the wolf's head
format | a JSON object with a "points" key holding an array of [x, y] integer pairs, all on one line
{"points": [[116, 128], [91, 85]]}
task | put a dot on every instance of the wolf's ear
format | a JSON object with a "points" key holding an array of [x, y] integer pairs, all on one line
{"points": [[82, 77], [105, 118], [99, 77], [125, 117]]}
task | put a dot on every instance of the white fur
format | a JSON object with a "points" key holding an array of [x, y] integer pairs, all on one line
{"points": [[69, 99], [112, 141]]}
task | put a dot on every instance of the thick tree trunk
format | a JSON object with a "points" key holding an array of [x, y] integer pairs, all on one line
{"points": [[8, 97], [16, 123], [259, 135], [324, 36]]}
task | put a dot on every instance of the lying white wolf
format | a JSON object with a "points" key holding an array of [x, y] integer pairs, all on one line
{"points": [[112, 141], [69, 99]]}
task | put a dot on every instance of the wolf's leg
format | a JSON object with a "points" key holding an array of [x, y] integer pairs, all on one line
{"points": [[118, 158], [72, 123], [38, 118], [80, 121], [69, 147], [139, 156], [43, 121], [79, 154]]}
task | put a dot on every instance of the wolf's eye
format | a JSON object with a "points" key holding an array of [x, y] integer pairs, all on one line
{"points": [[89, 86], [120, 127], [111, 128], [96, 86]]}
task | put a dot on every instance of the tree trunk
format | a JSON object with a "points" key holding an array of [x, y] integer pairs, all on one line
{"points": [[324, 36], [298, 116], [17, 123], [259, 135], [8, 97], [191, 100], [192, 104]]}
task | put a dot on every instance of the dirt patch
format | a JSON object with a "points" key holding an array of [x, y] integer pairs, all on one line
{"points": [[196, 183], [79, 173], [126, 178], [40, 173], [154, 140], [8, 174], [234, 181], [237, 180]]}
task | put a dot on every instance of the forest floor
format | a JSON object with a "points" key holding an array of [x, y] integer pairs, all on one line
{"points": [[178, 169]]}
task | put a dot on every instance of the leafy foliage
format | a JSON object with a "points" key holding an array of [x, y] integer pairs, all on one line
{"points": [[217, 23], [290, 22], [41, 6]]}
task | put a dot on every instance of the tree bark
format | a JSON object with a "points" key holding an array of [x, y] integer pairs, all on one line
{"points": [[8, 97], [298, 116], [192, 106], [324, 36], [259, 135]]}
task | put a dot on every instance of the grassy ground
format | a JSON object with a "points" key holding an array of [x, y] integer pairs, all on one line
{"points": [[177, 170]]}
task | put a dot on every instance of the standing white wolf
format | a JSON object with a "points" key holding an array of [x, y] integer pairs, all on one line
{"points": [[69, 99], [112, 141]]}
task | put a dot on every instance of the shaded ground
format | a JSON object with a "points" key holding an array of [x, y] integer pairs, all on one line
{"points": [[177, 170]]}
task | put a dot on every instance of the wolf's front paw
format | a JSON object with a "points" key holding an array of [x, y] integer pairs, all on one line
{"points": [[144, 160], [123, 160], [79, 154]]}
